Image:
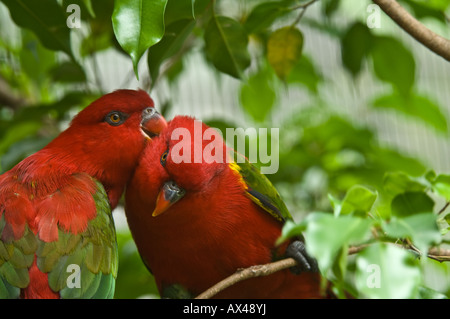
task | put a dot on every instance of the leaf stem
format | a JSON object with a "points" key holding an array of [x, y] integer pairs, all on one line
{"points": [[443, 208], [303, 7]]}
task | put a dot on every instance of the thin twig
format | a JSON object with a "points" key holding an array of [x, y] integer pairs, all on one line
{"points": [[302, 6], [247, 273], [438, 254], [356, 249], [443, 208], [407, 22]]}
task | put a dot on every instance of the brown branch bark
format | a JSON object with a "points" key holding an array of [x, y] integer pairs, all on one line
{"points": [[438, 254], [247, 273], [407, 22]]}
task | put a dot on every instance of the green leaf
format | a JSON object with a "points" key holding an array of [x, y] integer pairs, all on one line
{"points": [[355, 46], [428, 293], [68, 72], [179, 10], [440, 5], [441, 185], [358, 200], [94, 43], [88, 5], [284, 49], [391, 160], [447, 219], [326, 235], [339, 267], [138, 25], [386, 271], [19, 150], [35, 59], [263, 15], [46, 19], [393, 63], [290, 230], [420, 228], [329, 7], [416, 106], [304, 72], [257, 95], [17, 132], [399, 182], [226, 45], [425, 10], [101, 35], [411, 203], [169, 46]]}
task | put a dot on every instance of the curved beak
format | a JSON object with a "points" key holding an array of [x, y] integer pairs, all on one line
{"points": [[152, 122], [170, 193]]}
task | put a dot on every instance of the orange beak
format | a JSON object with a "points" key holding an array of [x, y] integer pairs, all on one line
{"points": [[170, 193], [152, 122]]}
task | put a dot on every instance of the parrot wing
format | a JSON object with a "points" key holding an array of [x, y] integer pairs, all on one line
{"points": [[78, 264], [16, 256], [259, 188], [83, 265], [263, 193]]}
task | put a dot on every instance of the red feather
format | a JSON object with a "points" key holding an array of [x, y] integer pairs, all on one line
{"points": [[54, 187], [211, 232], [38, 288]]}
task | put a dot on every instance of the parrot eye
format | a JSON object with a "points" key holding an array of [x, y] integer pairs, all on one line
{"points": [[115, 118], [164, 157]]}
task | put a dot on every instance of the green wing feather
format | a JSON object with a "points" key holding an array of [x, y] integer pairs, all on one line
{"points": [[83, 265], [16, 256], [259, 188]]}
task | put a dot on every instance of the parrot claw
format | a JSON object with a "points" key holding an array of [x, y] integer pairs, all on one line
{"points": [[306, 263]]}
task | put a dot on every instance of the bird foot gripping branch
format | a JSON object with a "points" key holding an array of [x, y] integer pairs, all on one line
{"points": [[297, 250], [196, 222]]}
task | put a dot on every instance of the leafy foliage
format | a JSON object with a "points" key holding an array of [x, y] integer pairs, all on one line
{"points": [[352, 190]]}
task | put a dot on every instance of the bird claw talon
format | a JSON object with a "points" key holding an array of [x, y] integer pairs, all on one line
{"points": [[306, 263]]}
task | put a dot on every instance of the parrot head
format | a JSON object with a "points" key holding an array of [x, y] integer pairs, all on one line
{"points": [[119, 114], [106, 138], [182, 160]]}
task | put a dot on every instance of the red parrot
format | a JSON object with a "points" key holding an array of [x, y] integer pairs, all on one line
{"points": [[57, 235], [196, 222]]}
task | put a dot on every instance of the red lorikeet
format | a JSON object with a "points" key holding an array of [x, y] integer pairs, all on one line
{"points": [[57, 236], [197, 222]]}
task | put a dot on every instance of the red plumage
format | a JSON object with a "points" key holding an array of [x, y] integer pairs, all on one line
{"points": [[211, 232], [54, 187]]}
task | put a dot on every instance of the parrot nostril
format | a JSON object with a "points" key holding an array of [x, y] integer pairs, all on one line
{"points": [[149, 111], [152, 122]]}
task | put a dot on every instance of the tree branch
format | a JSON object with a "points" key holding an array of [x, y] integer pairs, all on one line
{"points": [[438, 254], [407, 22], [247, 273]]}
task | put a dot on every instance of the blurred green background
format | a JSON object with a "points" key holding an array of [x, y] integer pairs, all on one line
{"points": [[352, 94]]}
